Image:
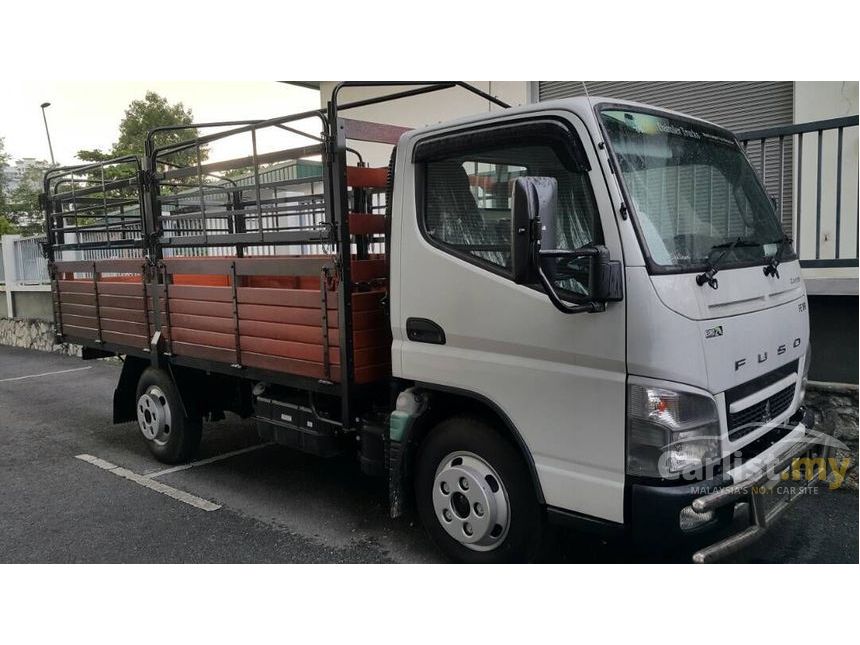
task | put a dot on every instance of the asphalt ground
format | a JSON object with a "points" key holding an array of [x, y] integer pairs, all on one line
{"points": [[276, 505]]}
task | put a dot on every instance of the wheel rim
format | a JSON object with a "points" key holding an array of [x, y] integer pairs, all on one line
{"points": [[470, 501], [154, 416]]}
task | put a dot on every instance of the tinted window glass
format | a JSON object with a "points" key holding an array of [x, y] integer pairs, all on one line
{"points": [[468, 199]]}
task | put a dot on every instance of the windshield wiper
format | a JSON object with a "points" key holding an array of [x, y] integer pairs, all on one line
{"points": [[772, 266], [714, 265]]}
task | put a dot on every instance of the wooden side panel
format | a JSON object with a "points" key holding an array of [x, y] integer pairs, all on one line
{"points": [[113, 310], [280, 318]]}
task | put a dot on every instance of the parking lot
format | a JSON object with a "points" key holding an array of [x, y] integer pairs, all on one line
{"points": [[271, 504]]}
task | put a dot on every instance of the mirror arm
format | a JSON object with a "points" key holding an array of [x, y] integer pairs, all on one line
{"points": [[563, 307]]}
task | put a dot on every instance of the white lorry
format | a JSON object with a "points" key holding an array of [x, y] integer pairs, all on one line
{"points": [[595, 318]]}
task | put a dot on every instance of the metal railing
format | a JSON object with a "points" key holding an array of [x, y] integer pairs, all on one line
{"points": [[23, 268], [30, 264], [812, 168]]}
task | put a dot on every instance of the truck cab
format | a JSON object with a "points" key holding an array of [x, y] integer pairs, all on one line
{"points": [[610, 284]]}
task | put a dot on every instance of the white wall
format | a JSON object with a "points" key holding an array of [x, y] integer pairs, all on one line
{"points": [[425, 109]]}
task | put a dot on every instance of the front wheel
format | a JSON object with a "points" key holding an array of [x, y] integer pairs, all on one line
{"points": [[474, 494], [170, 436]]}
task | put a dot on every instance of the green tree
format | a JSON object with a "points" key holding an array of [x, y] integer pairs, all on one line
{"points": [[143, 115], [23, 206], [6, 226]]}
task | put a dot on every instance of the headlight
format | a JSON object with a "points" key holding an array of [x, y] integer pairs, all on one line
{"points": [[670, 432]]}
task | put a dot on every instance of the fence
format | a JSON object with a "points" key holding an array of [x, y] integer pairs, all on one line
{"points": [[31, 267], [24, 274], [812, 169]]}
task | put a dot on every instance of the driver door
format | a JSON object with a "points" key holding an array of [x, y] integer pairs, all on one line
{"points": [[560, 379]]}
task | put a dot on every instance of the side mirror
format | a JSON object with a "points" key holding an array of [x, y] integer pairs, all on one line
{"points": [[535, 258], [774, 201], [534, 205]]}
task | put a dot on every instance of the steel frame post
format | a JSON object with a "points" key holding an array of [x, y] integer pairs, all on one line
{"points": [[340, 210]]}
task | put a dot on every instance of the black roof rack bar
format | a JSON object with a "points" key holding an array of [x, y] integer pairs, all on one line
{"points": [[55, 173], [243, 162], [247, 127], [167, 128]]}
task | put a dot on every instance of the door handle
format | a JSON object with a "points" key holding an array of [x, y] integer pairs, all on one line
{"points": [[421, 330]]}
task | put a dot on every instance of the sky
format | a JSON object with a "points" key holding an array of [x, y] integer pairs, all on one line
{"points": [[86, 114]]}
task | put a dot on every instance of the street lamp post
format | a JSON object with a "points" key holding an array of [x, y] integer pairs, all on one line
{"points": [[47, 133]]}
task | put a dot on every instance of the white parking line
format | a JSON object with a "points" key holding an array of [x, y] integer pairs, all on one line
{"points": [[210, 460], [158, 487], [21, 378]]}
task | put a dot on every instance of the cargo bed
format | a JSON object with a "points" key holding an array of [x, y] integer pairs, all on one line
{"points": [[270, 266]]}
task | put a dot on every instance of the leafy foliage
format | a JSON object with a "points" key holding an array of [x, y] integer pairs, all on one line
{"points": [[143, 115], [23, 205]]}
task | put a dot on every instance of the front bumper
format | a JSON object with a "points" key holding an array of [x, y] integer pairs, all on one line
{"points": [[656, 509]]}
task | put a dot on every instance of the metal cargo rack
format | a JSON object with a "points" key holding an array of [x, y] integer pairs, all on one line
{"points": [[271, 265]]}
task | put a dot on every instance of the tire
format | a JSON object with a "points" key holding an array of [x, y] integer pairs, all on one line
{"points": [[170, 436], [507, 526]]}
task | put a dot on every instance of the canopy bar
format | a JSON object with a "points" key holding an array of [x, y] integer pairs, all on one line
{"points": [[243, 162]]}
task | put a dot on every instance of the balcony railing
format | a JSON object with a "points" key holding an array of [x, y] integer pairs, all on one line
{"points": [[812, 170]]}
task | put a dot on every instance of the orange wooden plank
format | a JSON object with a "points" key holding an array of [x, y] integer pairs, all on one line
{"points": [[371, 356], [286, 349], [75, 286], [210, 294], [366, 224], [366, 270], [78, 310], [80, 332], [284, 297], [367, 301], [372, 373], [121, 302], [371, 338], [77, 299], [201, 279], [200, 308], [289, 315], [80, 321], [204, 352], [372, 319], [121, 288], [276, 282], [125, 327], [129, 340], [366, 177], [295, 333], [198, 337], [203, 323], [289, 366], [116, 313]]}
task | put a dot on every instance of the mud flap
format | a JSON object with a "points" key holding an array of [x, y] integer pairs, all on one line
{"points": [[126, 388]]}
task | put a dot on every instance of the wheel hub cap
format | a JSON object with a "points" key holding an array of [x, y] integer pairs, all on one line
{"points": [[471, 502], [153, 415]]}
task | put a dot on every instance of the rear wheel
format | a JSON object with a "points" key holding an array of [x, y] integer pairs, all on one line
{"points": [[475, 496], [170, 436]]}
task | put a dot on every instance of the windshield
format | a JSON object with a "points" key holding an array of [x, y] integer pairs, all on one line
{"points": [[692, 190]]}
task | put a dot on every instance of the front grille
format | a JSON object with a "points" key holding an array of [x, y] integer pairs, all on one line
{"points": [[743, 422]]}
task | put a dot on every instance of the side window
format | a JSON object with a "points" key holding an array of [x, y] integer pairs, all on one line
{"points": [[468, 181]]}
